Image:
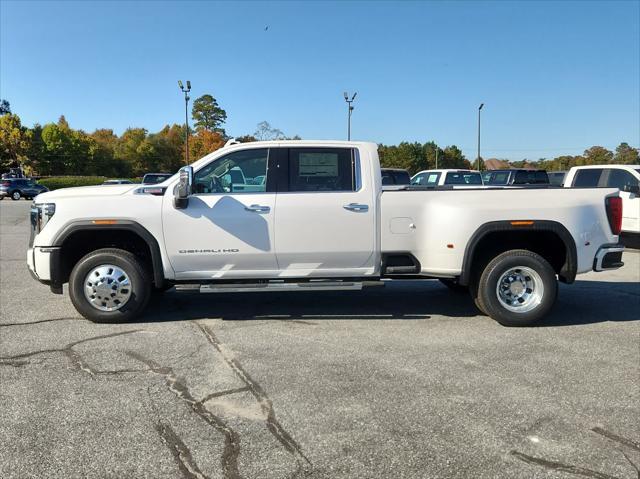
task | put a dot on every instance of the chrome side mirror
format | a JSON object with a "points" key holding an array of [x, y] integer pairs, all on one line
{"points": [[184, 188]]}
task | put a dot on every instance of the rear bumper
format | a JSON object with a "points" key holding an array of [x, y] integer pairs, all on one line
{"points": [[608, 257]]}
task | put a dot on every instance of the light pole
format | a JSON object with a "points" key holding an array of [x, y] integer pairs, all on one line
{"points": [[186, 114], [479, 109], [349, 102]]}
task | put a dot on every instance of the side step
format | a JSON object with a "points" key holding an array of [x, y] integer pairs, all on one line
{"points": [[278, 286]]}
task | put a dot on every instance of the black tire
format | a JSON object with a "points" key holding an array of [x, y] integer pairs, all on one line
{"points": [[544, 297], [454, 286], [140, 285], [16, 195]]}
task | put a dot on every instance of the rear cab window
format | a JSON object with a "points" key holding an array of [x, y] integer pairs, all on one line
{"points": [[587, 178], [322, 169], [463, 178]]}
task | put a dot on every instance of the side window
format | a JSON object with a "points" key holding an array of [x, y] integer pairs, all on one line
{"points": [[242, 171], [419, 179], [321, 169], [401, 177], [620, 178], [587, 178], [521, 178], [387, 178], [541, 177]]}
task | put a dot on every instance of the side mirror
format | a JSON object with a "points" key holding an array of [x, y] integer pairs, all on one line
{"points": [[633, 189], [184, 188]]}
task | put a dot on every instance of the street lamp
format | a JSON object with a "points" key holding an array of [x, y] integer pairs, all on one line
{"points": [[349, 102], [479, 109], [186, 114]]}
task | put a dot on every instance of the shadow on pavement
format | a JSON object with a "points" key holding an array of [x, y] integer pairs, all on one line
{"points": [[584, 302]]}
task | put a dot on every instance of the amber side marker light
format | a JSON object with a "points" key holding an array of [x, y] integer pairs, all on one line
{"points": [[521, 223], [104, 222]]}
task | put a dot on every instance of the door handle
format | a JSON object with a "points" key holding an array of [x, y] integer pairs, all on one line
{"points": [[258, 208], [356, 207]]}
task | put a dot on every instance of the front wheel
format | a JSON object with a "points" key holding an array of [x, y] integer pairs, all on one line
{"points": [[109, 286], [517, 288], [16, 195]]}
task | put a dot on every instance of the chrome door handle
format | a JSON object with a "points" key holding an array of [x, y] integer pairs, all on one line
{"points": [[258, 208], [356, 207]]}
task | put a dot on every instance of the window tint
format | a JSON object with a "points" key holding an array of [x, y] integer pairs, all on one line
{"points": [[541, 177], [521, 178], [321, 169], [498, 178], [587, 178], [463, 178], [620, 178], [401, 177], [556, 178], [238, 172], [387, 178]]}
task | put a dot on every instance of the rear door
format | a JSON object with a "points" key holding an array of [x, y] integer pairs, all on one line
{"points": [[325, 222]]}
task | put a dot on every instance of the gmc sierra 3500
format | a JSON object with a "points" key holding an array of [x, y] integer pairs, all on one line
{"points": [[302, 215]]}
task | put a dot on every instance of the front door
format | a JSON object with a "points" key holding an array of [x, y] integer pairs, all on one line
{"points": [[227, 229], [325, 223]]}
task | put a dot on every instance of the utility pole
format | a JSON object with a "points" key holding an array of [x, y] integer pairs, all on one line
{"points": [[349, 102], [186, 115], [479, 109]]}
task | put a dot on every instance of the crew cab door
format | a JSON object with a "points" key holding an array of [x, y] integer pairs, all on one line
{"points": [[325, 223], [226, 230]]}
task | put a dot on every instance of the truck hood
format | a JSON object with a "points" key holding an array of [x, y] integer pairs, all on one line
{"points": [[84, 191]]}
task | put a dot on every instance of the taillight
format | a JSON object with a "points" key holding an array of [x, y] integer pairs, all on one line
{"points": [[5, 183], [614, 213]]}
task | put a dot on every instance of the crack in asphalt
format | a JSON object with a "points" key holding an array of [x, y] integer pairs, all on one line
{"points": [[6, 325], [76, 359], [223, 393], [616, 438], [266, 405], [231, 438], [558, 466], [181, 452], [581, 471]]}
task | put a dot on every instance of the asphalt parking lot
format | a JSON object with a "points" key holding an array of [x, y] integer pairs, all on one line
{"points": [[405, 381]]}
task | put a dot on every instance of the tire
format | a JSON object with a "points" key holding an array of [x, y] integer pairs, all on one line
{"points": [[454, 286], [16, 195], [517, 288], [133, 294]]}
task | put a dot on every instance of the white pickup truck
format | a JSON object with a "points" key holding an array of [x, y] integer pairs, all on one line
{"points": [[311, 215]]}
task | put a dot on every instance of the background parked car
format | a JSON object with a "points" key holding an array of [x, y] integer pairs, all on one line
{"points": [[624, 177], [395, 176], [155, 178], [518, 176], [448, 177], [556, 178], [118, 182], [16, 188]]}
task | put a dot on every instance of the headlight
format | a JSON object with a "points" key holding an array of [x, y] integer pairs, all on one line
{"points": [[41, 213]]}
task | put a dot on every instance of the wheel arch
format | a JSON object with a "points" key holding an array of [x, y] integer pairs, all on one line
{"points": [[543, 237], [124, 232]]}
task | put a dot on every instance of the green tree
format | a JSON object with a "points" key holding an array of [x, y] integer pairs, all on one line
{"points": [[597, 155], [15, 140], [208, 115], [626, 155], [4, 107]]}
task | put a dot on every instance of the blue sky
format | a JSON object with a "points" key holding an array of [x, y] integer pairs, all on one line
{"points": [[555, 77]]}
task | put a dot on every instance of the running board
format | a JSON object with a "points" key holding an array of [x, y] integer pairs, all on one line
{"points": [[278, 286]]}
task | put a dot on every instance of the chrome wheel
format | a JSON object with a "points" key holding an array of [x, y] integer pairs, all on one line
{"points": [[107, 287], [520, 289], [15, 195]]}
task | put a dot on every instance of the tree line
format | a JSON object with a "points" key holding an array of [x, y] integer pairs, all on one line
{"points": [[57, 149]]}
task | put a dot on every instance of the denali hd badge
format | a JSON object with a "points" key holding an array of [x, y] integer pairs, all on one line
{"points": [[210, 251]]}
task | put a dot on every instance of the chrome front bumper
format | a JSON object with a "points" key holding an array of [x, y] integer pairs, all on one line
{"points": [[608, 257]]}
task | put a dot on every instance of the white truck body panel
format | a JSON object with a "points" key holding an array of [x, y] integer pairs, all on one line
{"points": [[311, 234]]}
